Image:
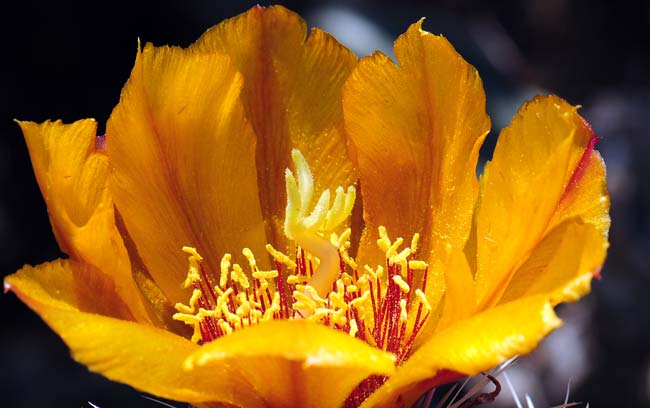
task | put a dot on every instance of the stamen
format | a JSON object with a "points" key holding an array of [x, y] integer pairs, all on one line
{"points": [[385, 306]]}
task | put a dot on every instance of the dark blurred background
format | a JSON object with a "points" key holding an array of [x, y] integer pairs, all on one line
{"points": [[69, 60]]}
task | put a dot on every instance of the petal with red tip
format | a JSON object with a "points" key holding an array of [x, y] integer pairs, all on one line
{"points": [[535, 180]]}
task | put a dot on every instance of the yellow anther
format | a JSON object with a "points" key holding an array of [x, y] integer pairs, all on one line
{"points": [[399, 281], [237, 275], [423, 299], [296, 279], [223, 325], [354, 329], [311, 292], [265, 274], [363, 281], [371, 273], [383, 242], [417, 265], [186, 318], [337, 301], [405, 253], [183, 309], [243, 309], [225, 267], [391, 252], [340, 287], [263, 285], [403, 315], [303, 302], [196, 294], [256, 316], [352, 288], [230, 317], [339, 317], [207, 313], [225, 296], [193, 253], [251, 258], [358, 302], [190, 320], [347, 279], [193, 273], [274, 308], [320, 314], [280, 257], [414, 242], [349, 261]]}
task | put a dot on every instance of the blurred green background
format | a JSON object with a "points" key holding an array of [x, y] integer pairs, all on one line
{"points": [[69, 60]]}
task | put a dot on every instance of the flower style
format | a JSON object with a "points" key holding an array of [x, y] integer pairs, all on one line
{"points": [[219, 149]]}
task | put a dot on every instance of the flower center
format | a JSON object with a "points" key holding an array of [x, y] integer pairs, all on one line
{"points": [[384, 306]]}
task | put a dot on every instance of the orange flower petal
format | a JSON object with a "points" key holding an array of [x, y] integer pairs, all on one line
{"points": [[532, 170], [469, 347], [292, 95], [123, 351], [295, 363], [73, 177], [562, 265], [416, 129], [183, 166]]}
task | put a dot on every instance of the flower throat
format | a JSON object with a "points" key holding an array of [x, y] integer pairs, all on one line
{"points": [[384, 306]]}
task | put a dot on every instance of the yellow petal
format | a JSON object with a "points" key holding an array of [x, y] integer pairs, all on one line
{"points": [[469, 347], [460, 299], [521, 189], [144, 357], [562, 265], [296, 363], [73, 176], [183, 166], [292, 96], [416, 129]]}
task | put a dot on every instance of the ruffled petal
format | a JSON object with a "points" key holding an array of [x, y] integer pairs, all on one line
{"points": [[292, 96], [295, 363], [416, 129], [73, 176], [543, 162], [469, 347], [183, 164], [144, 357]]}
